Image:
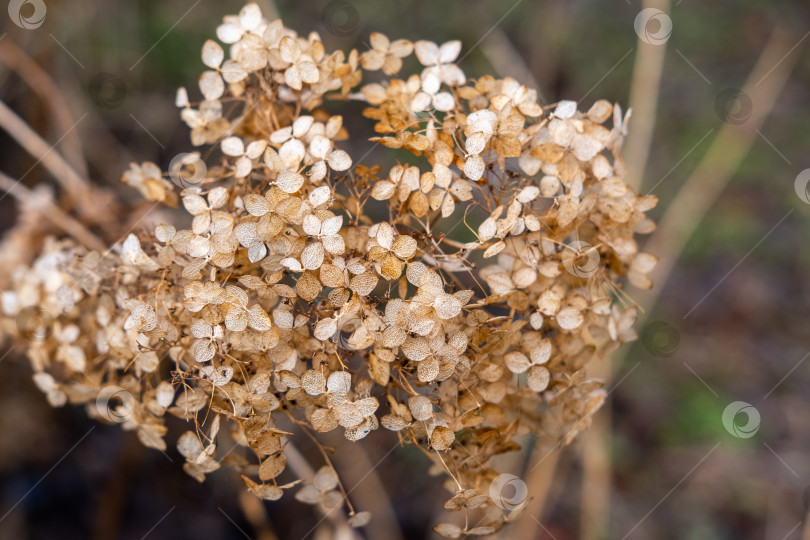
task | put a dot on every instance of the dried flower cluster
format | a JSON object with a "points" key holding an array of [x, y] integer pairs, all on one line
{"points": [[313, 292]]}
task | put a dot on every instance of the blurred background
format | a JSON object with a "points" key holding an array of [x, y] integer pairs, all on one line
{"points": [[705, 434]]}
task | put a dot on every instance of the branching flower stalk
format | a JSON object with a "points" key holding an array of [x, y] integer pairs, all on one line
{"points": [[305, 285]]}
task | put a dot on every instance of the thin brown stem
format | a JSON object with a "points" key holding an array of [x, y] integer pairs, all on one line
{"points": [[727, 151], [506, 60], [596, 469], [538, 482], [256, 514], [41, 83], [51, 212], [79, 189], [644, 100], [301, 467], [374, 495]]}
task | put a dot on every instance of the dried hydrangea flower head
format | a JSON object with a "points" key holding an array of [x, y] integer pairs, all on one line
{"points": [[308, 292]]}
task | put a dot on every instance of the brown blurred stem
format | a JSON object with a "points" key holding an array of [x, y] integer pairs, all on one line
{"points": [[727, 151], [643, 101], [690, 205], [538, 482], [506, 60], [78, 188], [269, 9], [41, 83], [596, 468], [51, 212], [682, 217], [301, 467], [373, 497], [256, 514]]}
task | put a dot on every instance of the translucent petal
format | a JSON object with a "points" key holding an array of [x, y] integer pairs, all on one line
{"points": [[339, 160], [476, 142], [181, 99], [289, 181], [212, 54], [309, 72], [229, 33], [312, 225], [255, 149], [431, 84], [292, 264], [325, 329], [383, 190], [312, 256], [379, 41], [236, 320], [401, 48], [421, 408], [320, 147], [257, 252], [217, 197], [452, 75], [443, 101], [420, 102], [474, 167], [404, 247], [302, 125], [195, 204], [339, 382], [232, 71], [281, 135], [449, 51], [292, 152], [427, 52], [243, 167], [331, 226], [293, 78], [164, 232], [250, 17], [447, 306], [385, 235], [233, 146], [565, 109], [334, 244], [483, 120], [372, 60], [211, 85], [289, 49], [320, 195], [258, 319]]}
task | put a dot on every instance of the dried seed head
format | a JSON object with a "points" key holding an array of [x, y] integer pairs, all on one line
{"points": [[314, 287]]}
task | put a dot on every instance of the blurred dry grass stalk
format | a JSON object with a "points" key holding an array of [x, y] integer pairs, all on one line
{"points": [[288, 304]]}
